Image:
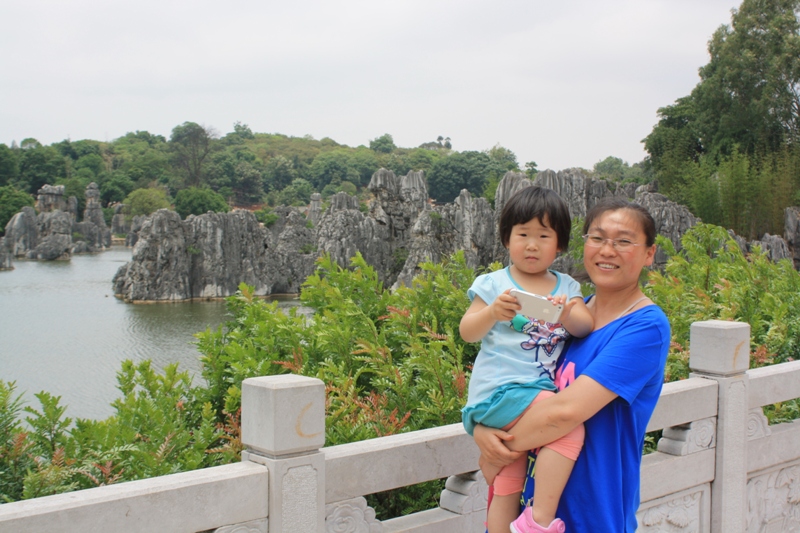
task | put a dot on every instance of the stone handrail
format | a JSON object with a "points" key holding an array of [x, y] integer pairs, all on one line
{"points": [[719, 466]]}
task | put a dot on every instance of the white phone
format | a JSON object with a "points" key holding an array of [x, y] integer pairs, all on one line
{"points": [[535, 306]]}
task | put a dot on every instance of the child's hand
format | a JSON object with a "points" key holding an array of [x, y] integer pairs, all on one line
{"points": [[561, 299], [505, 307], [575, 316]]}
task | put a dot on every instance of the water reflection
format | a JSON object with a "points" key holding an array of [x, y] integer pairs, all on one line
{"points": [[62, 330]]}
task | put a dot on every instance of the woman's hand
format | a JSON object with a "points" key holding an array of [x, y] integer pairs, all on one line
{"points": [[493, 451]]}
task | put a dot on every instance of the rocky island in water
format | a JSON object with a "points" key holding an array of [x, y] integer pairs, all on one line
{"points": [[208, 256]]}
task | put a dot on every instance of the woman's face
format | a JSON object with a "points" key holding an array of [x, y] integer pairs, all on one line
{"points": [[609, 268]]}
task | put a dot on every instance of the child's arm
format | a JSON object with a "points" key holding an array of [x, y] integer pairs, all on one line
{"points": [[480, 317], [575, 317]]}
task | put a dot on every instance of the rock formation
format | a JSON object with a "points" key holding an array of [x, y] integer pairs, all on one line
{"points": [[51, 198], [208, 255], [99, 236], [6, 262], [120, 225], [21, 233], [54, 231], [50, 234]]}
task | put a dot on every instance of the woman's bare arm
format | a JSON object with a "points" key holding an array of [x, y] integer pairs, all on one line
{"points": [[557, 415]]}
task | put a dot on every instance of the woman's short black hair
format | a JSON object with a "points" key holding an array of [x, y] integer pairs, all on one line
{"points": [[615, 203], [536, 202]]}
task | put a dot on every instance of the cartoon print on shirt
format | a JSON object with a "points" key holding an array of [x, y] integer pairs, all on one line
{"points": [[542, 336]]}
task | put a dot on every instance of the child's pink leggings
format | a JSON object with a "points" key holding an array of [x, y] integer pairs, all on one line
{"points": [[511, 479]]}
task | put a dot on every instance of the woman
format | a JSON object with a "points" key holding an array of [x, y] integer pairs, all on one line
{"points": [[610, 380]]}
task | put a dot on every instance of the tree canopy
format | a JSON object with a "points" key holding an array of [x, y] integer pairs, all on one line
{"points": [[739, 129]]}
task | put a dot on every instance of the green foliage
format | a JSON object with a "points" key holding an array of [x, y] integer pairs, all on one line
{"points": [[298, 193], [710, 278], [717, 149], [9, 165], [504, 157], [464, 170], [266, 216], [11, 202], [383, 144], [146, 201], [194, 201], [190, 144], [392, 361]]}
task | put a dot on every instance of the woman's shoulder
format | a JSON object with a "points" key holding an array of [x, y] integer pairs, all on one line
{"points": [[649, 317]]}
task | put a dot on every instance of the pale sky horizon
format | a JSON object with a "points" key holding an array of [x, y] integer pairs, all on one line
{"points": [[565, 84]]}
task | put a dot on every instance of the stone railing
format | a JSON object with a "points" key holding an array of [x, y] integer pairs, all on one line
{"points": [[719, 467]]}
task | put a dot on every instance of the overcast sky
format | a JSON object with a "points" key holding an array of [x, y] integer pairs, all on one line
{"points": [[563, 83]]}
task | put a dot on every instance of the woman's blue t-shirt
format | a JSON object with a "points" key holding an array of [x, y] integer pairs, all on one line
{"points": [[627, 357]]}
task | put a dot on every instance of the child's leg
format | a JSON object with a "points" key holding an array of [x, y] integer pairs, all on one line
{"points": [[507, 490], [554, 464], [551, 474], [502, 512]]}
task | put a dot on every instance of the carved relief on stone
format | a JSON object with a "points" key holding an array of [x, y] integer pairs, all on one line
{"points": [[351, 516], [681, 514], [464, 494], [254, 526], [689, 438], [773, 501], [757, 424]]}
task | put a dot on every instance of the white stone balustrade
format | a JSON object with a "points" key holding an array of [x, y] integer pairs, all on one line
{"points": [[719, 468]]}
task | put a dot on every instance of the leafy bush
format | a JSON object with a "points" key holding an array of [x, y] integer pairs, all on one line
{"points": [[196, 201], [11, 202], [711, 279]]}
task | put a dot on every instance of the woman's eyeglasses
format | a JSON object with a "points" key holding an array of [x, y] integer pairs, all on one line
{"points": [[620, 245]]}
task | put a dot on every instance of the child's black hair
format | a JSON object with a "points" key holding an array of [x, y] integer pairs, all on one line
{"points": [[536, 202]]}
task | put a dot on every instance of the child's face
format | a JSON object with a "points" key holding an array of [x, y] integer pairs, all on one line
{"points": [[533, 246]]}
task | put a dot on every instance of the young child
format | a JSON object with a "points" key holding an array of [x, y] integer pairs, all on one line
{"points": [[516, 363]]}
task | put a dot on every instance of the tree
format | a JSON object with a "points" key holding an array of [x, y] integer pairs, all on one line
{"points": [[749, 93], [146, 201], [383, 144], [333, 167], [279, 173], [464, 170], [298, 193], [191, 144], [11, 202], [503, 157], [248, 184], [194, 201], [531, 169], [116, 187], [9, 165], [39, 165]]}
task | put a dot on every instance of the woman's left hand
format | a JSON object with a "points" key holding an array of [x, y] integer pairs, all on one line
{"points": [[493, 450]]}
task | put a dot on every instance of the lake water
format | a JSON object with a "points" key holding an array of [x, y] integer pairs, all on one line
{"points": [[63, 331]]}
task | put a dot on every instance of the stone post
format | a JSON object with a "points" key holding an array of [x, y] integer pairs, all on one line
{"points": [[720, 351], [283, 428]]}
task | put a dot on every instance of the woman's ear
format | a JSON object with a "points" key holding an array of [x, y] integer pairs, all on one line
{"points": [[651, 255]]}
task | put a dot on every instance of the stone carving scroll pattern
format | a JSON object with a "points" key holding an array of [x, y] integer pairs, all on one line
{"points": [[689, 438], [351, 516], [464, 494], [679, 515], [773, 501], [757, 424]]}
